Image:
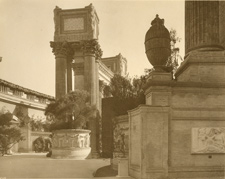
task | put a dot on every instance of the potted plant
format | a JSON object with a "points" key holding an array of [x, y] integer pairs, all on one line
{"points": [[69, 116]]}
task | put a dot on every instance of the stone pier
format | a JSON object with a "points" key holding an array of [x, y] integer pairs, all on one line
{"points": [[76, 47], [180, 131]]}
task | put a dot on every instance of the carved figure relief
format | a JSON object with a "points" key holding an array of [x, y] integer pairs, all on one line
{"points": [[208, 140], [120, 138]]}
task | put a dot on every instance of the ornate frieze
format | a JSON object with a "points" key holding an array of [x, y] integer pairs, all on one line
{"points": [[207, 140]]}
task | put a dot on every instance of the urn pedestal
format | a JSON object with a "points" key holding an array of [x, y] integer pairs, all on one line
{"points": [[71, 143]]}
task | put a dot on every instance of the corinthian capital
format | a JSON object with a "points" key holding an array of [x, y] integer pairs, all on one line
{"points": [[91, 47], [61, 48]]}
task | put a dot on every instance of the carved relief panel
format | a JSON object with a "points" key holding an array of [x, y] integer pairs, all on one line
{"points": [[71, 140], [208, 140]]}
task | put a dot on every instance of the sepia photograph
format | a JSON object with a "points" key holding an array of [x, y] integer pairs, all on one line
{"points": [[130, 89]]}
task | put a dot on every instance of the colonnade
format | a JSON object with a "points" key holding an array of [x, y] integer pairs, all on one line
{"points": [[83, 57]]}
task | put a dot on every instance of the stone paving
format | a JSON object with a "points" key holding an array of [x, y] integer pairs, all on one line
{"points": [[39, 166]]}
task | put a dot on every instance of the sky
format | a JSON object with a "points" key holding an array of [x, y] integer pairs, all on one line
{"points": [[27, 27]]}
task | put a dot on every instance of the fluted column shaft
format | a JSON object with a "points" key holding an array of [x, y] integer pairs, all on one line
{"points": [[92, 53], [202, 25], [97, 84], [60, 75], [63, 73], [69, 73], [89, 75]]}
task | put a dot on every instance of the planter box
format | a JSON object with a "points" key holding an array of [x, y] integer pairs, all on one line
{"points": [[71, 143]]}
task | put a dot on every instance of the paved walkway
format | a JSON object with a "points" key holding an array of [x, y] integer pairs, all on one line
{"points": [[39, 166]]}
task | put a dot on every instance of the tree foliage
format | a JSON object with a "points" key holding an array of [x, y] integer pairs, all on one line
{"points": [[10, 134], [174, 57], [127, 94], [71, 111], [120, 87]]}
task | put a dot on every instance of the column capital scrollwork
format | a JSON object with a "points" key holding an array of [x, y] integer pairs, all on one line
{"points": [[92, 47], [61, 48]]}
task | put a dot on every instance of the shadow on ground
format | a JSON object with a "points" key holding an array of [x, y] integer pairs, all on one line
{"points": [[37, 165], [105, 171]]}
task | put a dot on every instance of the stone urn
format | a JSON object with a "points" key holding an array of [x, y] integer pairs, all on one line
{"points": [[157, 44], [71, 143]]}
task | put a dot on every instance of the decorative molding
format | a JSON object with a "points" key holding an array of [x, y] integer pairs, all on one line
{"points": [[201, 57], [61, 48], [71, 140], [92, 21], [196, 169], [57, 20], [91, 47], [174, 83], [198, 118]]}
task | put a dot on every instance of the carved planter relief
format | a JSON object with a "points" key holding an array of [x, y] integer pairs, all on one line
{"points": [[71, 143]]}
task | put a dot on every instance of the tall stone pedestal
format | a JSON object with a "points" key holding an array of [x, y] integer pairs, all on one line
{"points": [[148, 150], [179, 132]]}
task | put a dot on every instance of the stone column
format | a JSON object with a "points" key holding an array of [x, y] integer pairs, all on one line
{"points": [[60, 50], [92, 52], [90, 76], [78, 69], [202, 25], [221, 22], [69, 73], [60, 78], [97, 85]]}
